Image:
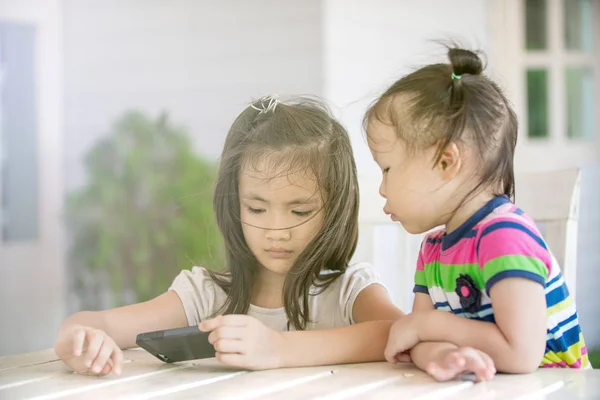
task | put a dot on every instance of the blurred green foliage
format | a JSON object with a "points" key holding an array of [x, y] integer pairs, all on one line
{"points": [[145, 213]]}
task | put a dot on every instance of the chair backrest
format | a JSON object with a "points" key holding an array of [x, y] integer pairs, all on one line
{"points": [[551, 199]]}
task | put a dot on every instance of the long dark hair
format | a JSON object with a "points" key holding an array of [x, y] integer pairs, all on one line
{"points": [[308, 138], [442, 104]]}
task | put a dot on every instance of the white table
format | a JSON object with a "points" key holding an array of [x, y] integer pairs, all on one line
{"points": [[39, 375]]}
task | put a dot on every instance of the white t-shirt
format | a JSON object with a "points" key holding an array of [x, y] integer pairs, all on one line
{"points": [[202, 298]]}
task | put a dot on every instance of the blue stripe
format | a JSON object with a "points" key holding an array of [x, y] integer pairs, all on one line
{"points": [[420, 289], [487, 318], [554, 280], [434, 240], [557, 295], [445, 306], [467, 228], [510, 225], [563, 323], [568, 339], [442, 304], [461, 310], [518, 211], [514, 273]]}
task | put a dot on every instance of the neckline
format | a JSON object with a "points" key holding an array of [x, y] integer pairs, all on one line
{"points": [[466, 229]]}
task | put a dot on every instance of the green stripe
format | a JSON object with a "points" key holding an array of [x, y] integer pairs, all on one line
{"points": [[445, 275], [515, 263], [420, 278]]}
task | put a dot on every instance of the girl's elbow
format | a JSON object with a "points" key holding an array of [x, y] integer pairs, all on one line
{"points": [[521, 366], [522, 362]]}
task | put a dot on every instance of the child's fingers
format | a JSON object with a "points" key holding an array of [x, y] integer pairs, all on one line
{"points": [[475, 364], [227, 332], [117, 359], [403, 357], [236, 320], [390, 356], [443, 372], [232, 359], [210, 324], [101, 360], [488, 362], [392, 350], [227, 320], [455, 359], [230, 346], [106, 370], [78, 341], [94, 345]]}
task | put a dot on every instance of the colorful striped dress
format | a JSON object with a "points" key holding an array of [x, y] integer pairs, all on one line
{"points": [[457, 271]]}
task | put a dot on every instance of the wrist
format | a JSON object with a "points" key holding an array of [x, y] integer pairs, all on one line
{"points": [[422, 322], [283, 348]]}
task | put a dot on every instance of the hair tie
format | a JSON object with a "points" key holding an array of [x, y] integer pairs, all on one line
{"points": [[454, 76], [267, 103]]}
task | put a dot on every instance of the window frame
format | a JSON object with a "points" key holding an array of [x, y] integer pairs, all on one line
{"points": [[508, 63]]}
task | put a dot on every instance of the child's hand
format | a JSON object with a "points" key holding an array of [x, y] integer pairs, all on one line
{"points": [[88, 351], [244, 342], [456, 362], [404, 335]]}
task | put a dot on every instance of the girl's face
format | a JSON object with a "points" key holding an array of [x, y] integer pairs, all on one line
{"points": [[281, 212], [417, 192]]}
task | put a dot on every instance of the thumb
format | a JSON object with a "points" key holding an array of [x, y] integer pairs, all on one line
{"points": [[391, 351], [404, 357], [210, 324]]}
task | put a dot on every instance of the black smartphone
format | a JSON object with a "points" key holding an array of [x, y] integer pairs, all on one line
{"points": [[174, 345]]}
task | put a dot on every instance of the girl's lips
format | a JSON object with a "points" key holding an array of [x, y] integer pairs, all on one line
{"points": [[277, 252]]}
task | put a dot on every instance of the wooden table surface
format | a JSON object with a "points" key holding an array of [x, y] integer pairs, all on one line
{"points": [[40, 375]]}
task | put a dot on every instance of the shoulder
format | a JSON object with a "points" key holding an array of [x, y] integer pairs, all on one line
{"points": [[509, 244], [342, 293], [355, 274], [199, 293], [431, 244], [509, 228], [197, 276]]}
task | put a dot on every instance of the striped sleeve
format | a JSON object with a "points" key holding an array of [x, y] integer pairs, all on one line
{"points": [[512, 249], [420, 281]]}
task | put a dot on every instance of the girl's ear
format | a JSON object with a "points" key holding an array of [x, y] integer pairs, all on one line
{"points": [[450, 162]]}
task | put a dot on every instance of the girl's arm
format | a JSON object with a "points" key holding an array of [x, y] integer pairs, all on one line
{"points": [[373, 313], [124, 323], [244, 342], [426, 352], [516, 342]]}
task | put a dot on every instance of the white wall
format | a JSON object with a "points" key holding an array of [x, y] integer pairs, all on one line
{"points": [[201, 60], [369, 45], [31, 274]]}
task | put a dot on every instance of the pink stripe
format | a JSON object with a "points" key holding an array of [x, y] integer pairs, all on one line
{"points": [[420, 263], [503, 242], [583, 350], [464, 252], [430, 251], [510, 217], [576, 364], [562, 364]]}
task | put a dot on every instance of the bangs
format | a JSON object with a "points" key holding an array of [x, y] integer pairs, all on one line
{"points": [[306, 161]]}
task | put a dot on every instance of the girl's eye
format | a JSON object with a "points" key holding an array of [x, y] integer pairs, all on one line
{"points": [[302, 213], [386, 170], [256, 210]]}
